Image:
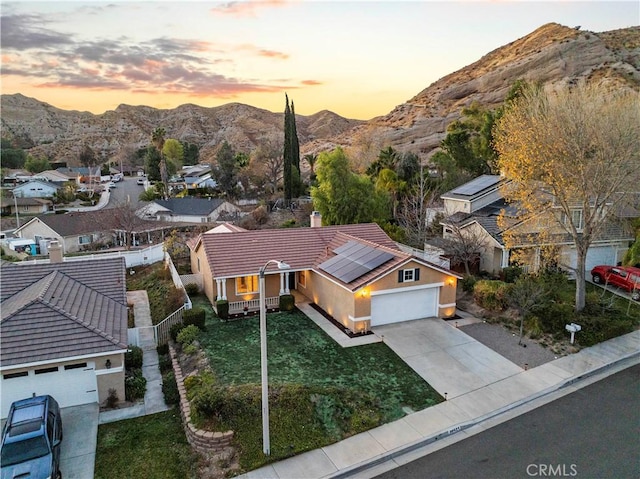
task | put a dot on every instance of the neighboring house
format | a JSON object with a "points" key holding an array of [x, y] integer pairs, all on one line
{"points": [[81, 174], [58, 176], [26, 206], [355, 273], [63, 329], [198, 176], [84, 230], [36, 189], [474, 209], [189, 209]]}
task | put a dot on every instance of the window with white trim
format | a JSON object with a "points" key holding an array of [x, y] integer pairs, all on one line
{"points": [[247, 284], [85, 239], [408, 275]]}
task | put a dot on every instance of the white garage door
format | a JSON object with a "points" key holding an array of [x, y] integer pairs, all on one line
{"points": [[595, 256], [70, 385], [390, 308]]}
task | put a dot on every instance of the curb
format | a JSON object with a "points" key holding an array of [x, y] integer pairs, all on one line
{"points": [[363, 466]]}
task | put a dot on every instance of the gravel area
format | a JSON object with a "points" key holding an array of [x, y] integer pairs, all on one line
{"points": [[505, 343]]}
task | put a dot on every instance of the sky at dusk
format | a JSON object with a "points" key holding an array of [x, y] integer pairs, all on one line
{"points": [[356, 58]]}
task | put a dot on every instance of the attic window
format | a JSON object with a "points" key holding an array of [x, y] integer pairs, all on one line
{"points": [[408, 275]]}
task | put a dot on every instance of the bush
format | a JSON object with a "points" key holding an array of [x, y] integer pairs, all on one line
{"points": [[170, 388], [468, 282], [596, 329], [491, 294], [163, 349], [135, 385], [510, 274], [287, 302], [222, 306], [164, 363], [195, 316], [112, 399], [133, 358], [192, 289], [555, 316], [175, 330], [188, 335]]}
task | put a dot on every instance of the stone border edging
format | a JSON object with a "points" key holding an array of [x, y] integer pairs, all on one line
{"points": [[389, 455], [200, 440]]}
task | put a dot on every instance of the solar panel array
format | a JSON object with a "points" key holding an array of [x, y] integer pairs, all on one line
{"points": [[476, 185], [354, 259]]}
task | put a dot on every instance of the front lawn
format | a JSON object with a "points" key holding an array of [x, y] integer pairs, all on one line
{"points": [[152, 447], [319, 391]]}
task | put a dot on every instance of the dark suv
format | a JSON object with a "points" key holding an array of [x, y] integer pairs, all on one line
{"points": [[31, 439]]}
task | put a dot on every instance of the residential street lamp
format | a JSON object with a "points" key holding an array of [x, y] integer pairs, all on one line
{"points": [[266, 447]]}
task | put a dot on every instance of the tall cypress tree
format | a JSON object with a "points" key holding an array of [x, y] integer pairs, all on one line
{"points": [[288, 153]]}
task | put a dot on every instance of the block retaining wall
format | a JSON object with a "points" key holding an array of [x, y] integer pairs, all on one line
{"points": [[200, 440]]}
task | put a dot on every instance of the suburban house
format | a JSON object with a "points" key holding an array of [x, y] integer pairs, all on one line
{"points": [[355, 273], [64, 330], [36, 189], [198, 176], [189, 209], [26, 206], [79, 231], [58, 176], [474, 209]]}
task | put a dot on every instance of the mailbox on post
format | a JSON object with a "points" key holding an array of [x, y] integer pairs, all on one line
{"points": [[573, 328]]}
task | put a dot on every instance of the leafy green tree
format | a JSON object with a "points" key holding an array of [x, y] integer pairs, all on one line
{"points": [[291, 154], [387, 158], [36, 165], [191, 153], [343, 197], [158, 140], [173, 151], [11, 157], [152, 163], [389, 182], [225, 172]]}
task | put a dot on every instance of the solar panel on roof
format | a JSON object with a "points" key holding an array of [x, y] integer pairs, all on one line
{"points": [[476, 185], [354, 259]]}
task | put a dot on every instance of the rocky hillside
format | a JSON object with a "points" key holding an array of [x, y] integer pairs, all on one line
{"points": [[60, 134], [553, 54]]}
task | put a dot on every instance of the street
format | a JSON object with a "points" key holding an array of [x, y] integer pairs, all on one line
{"points": [[125, 191], [591, 433]]}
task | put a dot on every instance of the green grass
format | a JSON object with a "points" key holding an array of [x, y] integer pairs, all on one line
{"points": [[319, 391], [152, 447], [164, 297]]}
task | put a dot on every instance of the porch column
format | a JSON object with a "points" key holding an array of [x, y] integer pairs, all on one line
{"points": [[286, 282], [224, 288], [505, 258], [282, 283]]}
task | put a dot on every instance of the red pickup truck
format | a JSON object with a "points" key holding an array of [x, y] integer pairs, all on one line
{"points": [[625, 277]]}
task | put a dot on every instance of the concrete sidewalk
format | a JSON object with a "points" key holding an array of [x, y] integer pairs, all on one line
{"points": [[380, 447], [154, 397]]}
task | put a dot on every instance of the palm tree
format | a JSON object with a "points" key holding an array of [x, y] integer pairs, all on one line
{"points": [[311, 159], [157, 138]]}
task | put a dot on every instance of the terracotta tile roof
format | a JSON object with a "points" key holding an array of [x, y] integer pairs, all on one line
{"points": [[244, 253], [56, 316]]}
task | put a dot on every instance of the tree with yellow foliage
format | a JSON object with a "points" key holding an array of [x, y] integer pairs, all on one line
{"points": [[573, 158]]}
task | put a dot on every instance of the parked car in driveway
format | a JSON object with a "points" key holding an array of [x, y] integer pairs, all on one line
{"points": [[31, 439], [625, 277], [140, 181]]}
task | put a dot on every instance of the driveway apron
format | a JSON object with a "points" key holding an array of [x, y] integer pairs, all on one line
{"points": [[452, 362], [78, 448]]}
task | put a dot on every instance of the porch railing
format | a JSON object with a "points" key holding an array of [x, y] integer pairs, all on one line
{"points": [[236, 307]]}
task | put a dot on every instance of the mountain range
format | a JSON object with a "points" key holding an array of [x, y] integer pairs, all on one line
{"points": [[553, 55]]}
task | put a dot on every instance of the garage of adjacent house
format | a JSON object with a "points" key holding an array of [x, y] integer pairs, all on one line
{"points": [[71, 384], [396, 306]]}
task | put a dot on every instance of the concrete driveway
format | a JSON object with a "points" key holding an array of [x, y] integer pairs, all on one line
{"points": [[448, 359], [78, 453]]}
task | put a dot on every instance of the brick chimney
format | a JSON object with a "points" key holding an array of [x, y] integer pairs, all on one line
{"points": [[55, 252], [316, 219]]}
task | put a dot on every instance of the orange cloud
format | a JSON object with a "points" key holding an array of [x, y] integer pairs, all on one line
{"points": [[311, 82], [245, 8]]}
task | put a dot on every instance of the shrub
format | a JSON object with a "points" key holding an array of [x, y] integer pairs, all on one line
{"points": [[491, 294], [287, 302], [555, 316], [596, 329], [175, 330], [112, 399], [222, 306], [163, 349], [170, 388], [188, 335], [133, 358], [135, 385], [164, 363], [510, 274], [195, 316], [468, 282], [192, 289]]}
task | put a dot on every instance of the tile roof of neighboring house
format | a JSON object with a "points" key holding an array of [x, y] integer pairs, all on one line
{"points": [[22, 201], [86, 222], [244, 253], [191, 206], [51, 311]]}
